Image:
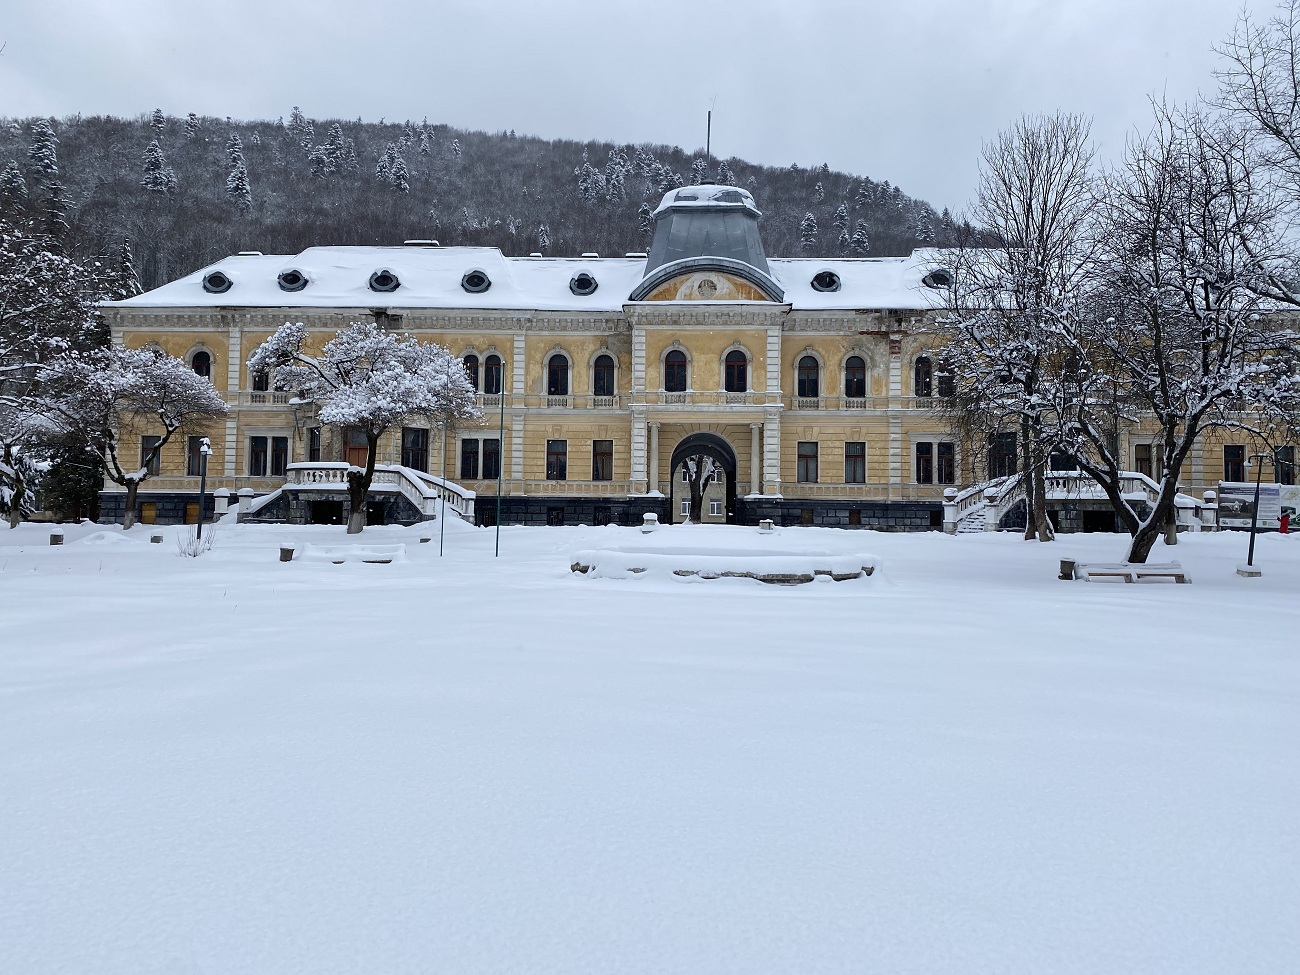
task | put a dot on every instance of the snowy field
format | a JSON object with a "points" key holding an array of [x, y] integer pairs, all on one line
{"points": [[468, 765]]}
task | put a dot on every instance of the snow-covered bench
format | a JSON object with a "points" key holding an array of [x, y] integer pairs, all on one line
{"points": [[1125, 571], [338, 554]]}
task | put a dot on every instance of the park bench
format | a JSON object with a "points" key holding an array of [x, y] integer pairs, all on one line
{"points": [[1126, 571]]}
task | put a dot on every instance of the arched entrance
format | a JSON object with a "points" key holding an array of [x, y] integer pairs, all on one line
{"points": [[711, 445]]}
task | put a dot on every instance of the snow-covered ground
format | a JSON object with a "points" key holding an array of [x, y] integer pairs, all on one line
{"points": [[467, 764]]}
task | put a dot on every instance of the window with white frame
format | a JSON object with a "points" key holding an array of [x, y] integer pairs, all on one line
{"points": [[715, 508]]}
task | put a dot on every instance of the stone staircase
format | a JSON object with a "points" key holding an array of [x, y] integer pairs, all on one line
{"points": [[974, 521]]}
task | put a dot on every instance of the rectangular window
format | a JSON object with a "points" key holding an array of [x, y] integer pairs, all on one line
{"points": [[557, 460], [602, 460], [491, 459], [1234, 462], [924, 463], [686, 507], [806, 462], [313, 445], [855, 462], [945, 468], [193, 456], [415, 448], [1142, 459], [152, 464], [257, 456], [469, 459], [1284, 465], [279, 456], [555, 516], [715, 508]]}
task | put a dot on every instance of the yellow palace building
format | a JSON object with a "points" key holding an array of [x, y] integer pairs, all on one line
{"points": [[809, 381]]}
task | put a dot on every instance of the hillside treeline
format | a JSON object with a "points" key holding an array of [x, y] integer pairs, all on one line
{"points": [[188, 191]]}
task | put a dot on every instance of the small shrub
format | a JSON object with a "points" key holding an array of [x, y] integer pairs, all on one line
{"points": [[190, 546]]}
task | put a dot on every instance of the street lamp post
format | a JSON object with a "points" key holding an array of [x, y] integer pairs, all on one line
{"points": [[1254, 514], [205, 448]]}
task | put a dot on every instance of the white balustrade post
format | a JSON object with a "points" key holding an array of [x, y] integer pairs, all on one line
{"points": [[245, 501], [221, 501], [950, 511]]}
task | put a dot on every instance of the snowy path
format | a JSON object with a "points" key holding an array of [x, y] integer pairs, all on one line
{"points": [[231, 765]]}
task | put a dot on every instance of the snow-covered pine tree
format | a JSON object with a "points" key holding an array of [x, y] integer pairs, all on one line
{"points": [[237, 189], [543, 238], [158, 176], [819, 192], [384, 168], [645, 221], [425, 145], [255, 140], [860, 243], [192, 126], [399, 177], [13, 190], [455, 148], [725, 175], [699, 172], [157, 120], [865, 196], [54, 216], [808, 232], [591, 182], [616, 170], [43, 152], [842, 226], [301, 128], [124, 282], [369, 378]]}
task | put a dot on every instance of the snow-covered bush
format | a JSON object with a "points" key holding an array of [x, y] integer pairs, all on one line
{"points": [[191, 546]]}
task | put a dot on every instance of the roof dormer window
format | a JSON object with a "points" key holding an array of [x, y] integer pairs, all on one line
{"points": [[475, 282], [216, 283], [384, 280], [583, 283], [292, 280], [826, 281]]}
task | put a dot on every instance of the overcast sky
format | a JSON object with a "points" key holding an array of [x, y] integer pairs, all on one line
{"points": [[904, 90]]}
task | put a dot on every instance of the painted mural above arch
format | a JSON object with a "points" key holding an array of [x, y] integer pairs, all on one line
{"points": [[706, 286]]}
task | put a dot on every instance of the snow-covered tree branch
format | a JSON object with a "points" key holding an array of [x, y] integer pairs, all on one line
{"points": [[98, 397], [371, 379]]}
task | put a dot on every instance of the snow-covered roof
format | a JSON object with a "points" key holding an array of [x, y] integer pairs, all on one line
{"points": [[437, 277], [707, 195]]}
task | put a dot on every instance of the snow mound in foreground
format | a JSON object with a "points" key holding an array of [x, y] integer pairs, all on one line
{"points": [[784, 568]]}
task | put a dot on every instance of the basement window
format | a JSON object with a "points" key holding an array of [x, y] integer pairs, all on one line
{"points": [[384, 280], [216, 283]]}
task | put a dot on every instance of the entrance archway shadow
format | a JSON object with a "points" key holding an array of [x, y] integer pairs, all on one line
{"points": [[711, 445]]}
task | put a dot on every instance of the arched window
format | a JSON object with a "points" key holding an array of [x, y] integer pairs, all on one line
{"points": [[471, 369], [855, 377], [261, 381], [944, 384], [492, 375], [736, 373], [557, 376], [201, 363], [602, 378], [923, 381], [675, 371], [808, 378]]}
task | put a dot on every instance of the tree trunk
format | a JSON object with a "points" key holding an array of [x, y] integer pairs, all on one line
{"points": [[1027, 481], [15, 515], [359, 486], [1152, 528], [128, 516], [1042, 524]]}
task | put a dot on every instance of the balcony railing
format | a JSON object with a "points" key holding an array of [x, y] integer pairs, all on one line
{"points": [[252, 397], [575, 489]]}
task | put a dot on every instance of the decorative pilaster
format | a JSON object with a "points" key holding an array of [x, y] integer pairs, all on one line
{"points": [[639, 479], [516, 393], [652, 471], [772, 452], [755, 458], [234, 372]]}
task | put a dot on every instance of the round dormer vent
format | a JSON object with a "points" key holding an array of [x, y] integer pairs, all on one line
{"points": [[583, 283], [216, 283], [475, 282], [292, 280], [384, 280], [826, 281]]}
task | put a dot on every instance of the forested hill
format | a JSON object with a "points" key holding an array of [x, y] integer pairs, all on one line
{"points": [[189, 191]]}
